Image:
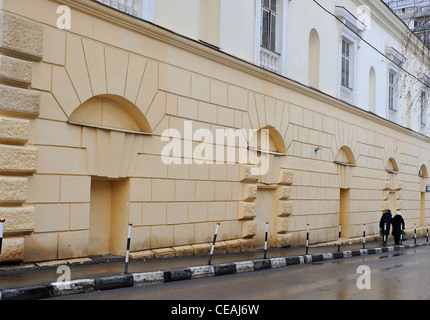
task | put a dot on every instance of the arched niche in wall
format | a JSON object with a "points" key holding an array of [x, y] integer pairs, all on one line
{"points": [[423, 171], [391, 166], [345, 157], [268, 139], [392, 195], [269, 147], [372, 90], [113, 130], [113, 133], [346, 161], [110, 112], [314, 59], [423, 181]]}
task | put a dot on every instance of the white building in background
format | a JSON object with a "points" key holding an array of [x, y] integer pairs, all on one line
{"points": [[415, 14], [357, 51]]}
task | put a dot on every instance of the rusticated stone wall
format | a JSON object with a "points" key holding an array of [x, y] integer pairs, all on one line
{"points": [[90, 177], [21, 46]]}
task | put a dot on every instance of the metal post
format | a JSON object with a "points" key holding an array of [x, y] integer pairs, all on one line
{"points": [[427, 232], [265, 240], [340, 232], [213, 243], [127, 255], [385, 236], [401, 234], [364, 236], [307, 239], [415, 234], [2, 221]]}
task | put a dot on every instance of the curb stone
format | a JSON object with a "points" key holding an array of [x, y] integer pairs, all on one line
{"points": [[262, 265], [113, 282], [224, 269], [73, 287], [56, 289], [27, 293], [177, 275]]}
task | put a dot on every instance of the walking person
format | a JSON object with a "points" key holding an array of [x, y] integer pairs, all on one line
{"points": [[384, 225], [398, 227]]}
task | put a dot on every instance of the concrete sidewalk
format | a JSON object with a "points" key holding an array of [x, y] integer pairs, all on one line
{"points": [[105, 273]]}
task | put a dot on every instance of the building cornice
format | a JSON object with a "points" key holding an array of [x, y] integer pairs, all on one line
{"points": [[160, 34], [384, 17], [393, 25]]}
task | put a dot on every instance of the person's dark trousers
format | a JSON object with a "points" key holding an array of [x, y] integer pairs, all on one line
{"points": [[397, 239]]}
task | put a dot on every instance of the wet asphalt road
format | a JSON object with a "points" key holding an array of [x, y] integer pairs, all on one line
{"points": [[403, 275]]}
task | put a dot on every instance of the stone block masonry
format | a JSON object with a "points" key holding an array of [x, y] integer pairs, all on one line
{"points": [[82, 117], [20, 37], [21, 45]]}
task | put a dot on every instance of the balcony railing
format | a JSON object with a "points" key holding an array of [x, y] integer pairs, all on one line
{"points": [[346, 94], [132, 7], [269, 60]]}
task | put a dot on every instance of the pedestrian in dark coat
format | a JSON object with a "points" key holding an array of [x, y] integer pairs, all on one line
{"points": [[388, 220], [398, 227]]}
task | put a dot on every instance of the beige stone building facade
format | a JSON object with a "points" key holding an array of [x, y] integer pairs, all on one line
{"points": [[82, 116]]}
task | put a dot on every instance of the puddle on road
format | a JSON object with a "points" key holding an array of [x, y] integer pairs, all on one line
{"points": [[392, 267]]}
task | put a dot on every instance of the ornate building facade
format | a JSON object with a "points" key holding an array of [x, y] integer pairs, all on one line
{"points": [[136, 111]]}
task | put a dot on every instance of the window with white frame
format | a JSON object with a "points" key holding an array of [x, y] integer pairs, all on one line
{"points": [[396, 60], [346, 64], [270, 35], [392, 91], [351, 29], [347, 69], [424, 103], [268, 24]]}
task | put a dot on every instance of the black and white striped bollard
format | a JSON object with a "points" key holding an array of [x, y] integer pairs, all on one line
{"points": [[265, 240], [401, 234], [127, 255], [385, 236], [340, 232], [2, 221], [213, 243], [427, 232], [364, 236], [415, 234], [307, 239]]}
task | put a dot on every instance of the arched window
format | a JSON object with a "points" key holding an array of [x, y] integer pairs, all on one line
{"points": [[314, 59]]}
